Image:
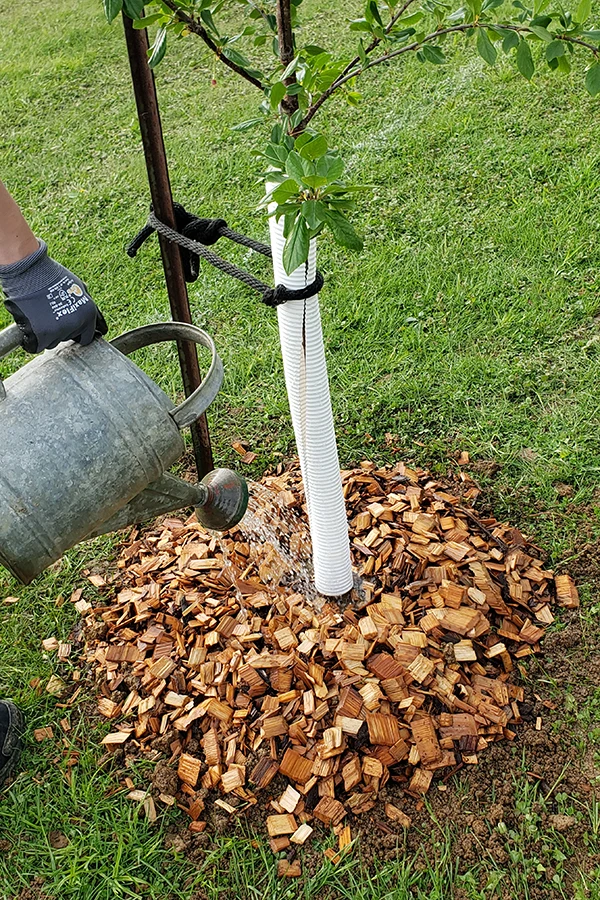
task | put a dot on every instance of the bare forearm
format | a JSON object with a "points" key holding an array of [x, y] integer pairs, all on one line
{"points": [[16, 237]]}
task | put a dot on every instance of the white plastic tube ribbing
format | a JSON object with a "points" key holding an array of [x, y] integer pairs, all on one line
{"points": [[307, 385]]}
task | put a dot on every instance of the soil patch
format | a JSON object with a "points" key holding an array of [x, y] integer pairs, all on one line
{"points": [[34, 891]]}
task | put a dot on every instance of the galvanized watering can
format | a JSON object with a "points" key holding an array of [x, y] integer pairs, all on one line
{"points": [[86, 439]]}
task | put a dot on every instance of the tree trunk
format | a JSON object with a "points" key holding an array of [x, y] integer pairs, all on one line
{"points": [[285, 36]]}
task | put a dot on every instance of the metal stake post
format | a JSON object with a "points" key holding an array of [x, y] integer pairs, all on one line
{"points": [[146, 100]]}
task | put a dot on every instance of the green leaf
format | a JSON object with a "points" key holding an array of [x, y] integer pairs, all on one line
{"points": [[208, 20], [277, 94], [459, 15], [410, 20], [133, 8], [285, 190], [592, 35], [296, 118], [315, 148], [361, 53], [485, 48], [592, 80], [295, 250], [343, 231], [158, 48], [401, 36], [138, 24], [525, 60], [360, 25], [312, 210], [314, 181], [112, 8], [542, 33], [290, 68], [303, 139], [235, 57], [373, 12], [584, 10], [294, 167], [249, 123], [433, 55], [564, 65], [330, 167], [353, 98], [289, 218], [554, 50], [510, 41]]}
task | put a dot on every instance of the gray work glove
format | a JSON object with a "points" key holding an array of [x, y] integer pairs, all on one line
{"points": [[49, 303]]}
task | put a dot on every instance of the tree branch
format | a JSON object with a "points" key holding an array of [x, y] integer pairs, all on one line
{"points": [[376, 41], [572, 40], [416, 45], [196, 28]]}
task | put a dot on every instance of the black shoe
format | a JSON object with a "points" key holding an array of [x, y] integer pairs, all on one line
{"points": [[11, 730]]}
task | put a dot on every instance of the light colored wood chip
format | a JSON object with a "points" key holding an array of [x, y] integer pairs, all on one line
{"points": [[282, 824], [396, 815], [302, 834]]}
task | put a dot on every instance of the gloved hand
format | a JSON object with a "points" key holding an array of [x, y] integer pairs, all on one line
{"points": [[49, 303]]}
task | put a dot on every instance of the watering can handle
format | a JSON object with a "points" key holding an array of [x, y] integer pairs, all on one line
{"points": [[193, 407], [10, 339]]}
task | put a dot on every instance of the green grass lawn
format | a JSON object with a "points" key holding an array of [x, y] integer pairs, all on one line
{"points": [[471, 321]]}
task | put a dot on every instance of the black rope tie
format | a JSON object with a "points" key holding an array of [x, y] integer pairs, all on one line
{"points": [[193, 234]]}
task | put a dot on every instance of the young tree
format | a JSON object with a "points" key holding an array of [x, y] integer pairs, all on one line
{"points": [[306, 174], [305, 191]]}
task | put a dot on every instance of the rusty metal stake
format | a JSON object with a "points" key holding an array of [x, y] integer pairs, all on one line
{"points": [[146, 100]]}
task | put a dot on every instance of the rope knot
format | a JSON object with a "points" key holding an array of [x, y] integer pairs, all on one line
{"points": [[282, 294], [194, 234]]}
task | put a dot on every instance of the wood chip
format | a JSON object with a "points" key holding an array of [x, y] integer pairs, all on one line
{"points": [[189, 769], [289, 799], [396, 815], [329, 811], [297, 768], [282, 824], [301, 835]]}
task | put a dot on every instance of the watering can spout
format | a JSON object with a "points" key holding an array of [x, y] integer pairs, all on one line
{"points": [[224, 501], [220, 500]]}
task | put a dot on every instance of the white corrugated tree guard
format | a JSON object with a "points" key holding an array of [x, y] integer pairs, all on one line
{"points": [[307, 386]]}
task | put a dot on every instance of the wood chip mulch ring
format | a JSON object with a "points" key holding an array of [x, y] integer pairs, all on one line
{"points": [[248, 679]]}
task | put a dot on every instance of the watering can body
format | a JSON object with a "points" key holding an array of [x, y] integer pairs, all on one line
{"points": [[84, 435]]}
